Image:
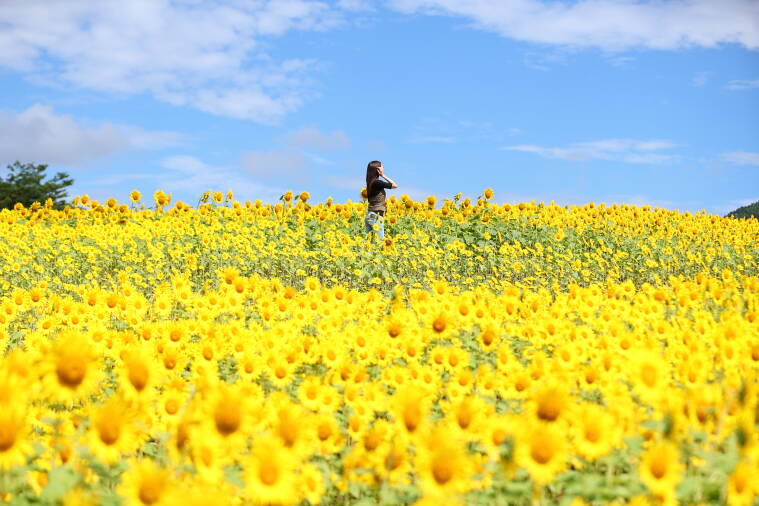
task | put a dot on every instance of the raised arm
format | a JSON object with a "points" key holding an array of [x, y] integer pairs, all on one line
{"points": [[382, 174]]}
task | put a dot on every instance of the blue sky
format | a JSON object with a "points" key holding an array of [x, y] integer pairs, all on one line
{"points": [[572, 101]]}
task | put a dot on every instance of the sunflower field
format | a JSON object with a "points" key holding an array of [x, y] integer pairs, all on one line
{"points": [[241, 353]]}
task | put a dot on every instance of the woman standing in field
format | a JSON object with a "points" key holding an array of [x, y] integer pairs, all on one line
{"points": [[375, 194]]}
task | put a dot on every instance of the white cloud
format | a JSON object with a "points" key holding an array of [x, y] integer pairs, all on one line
{"points": [[563, 153], [291, 164], [377, 146], [432, 138], [285, 164], [626, 150], [356, 5], [741, 158], [742, 84], [700, 78], [314, 138], [608, 24], [545, 59], [620, 61], [448, 130], [191, 175], [319, 160], [201, 53], [39, 135], [345, 182]]}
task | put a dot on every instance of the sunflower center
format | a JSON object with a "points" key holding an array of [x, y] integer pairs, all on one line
{"points": [[592, 433], [182, 436], [206, 456], [71, 370], [464, 418], [227, 417], [138, 375], [659, 468], [439, 324], [288, 431], [740, 483], [371, 441], [412, 416], [7, 435], [648, 375], [172, 406], [442, 470], [150, 489], [549, 408], [541, 452], [324, 432], [393, 461], [169, 362], [109, 430], [268, 474]]}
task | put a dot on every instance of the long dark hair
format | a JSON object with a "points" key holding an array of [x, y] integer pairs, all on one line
{"points": [[372, 173]]}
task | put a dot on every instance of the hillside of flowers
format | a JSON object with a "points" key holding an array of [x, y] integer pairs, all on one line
{"points": [[247, 353]]}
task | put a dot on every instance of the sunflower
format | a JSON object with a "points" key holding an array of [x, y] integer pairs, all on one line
{"points": [[139, 375], [78, 496], [488, 338], [661, 469], [550, 401], [269, 472], [441, 321], [742, 486], [468, 415], [650, 375], [209, 459], [181, 433], [14, 446], [280, 372], [309, 392], [226, 415], [311, 483], [249, 365], [146, 484], [170, 406], [442, 465], [499, 440], [112, 433], [14, 383], [595, 431], [291, 424], [328, 436], [72, 369], [410, 408], [542, 450]]}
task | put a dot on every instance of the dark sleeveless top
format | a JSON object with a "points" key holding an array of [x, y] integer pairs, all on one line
{"points": [[376, 196]]}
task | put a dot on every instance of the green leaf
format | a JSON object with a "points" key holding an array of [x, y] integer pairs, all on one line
{"points": [[59, 481]]}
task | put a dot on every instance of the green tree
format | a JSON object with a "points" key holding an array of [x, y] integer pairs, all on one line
{"points": [[746, 211], [24, 184]]}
